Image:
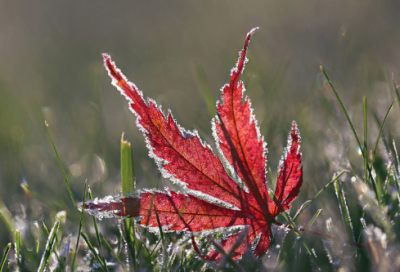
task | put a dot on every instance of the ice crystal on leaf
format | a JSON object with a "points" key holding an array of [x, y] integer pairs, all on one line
{"points": [[212, 199]]}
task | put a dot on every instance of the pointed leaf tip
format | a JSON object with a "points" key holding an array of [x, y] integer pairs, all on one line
{"points": [[253, 30], [105, 56], [290, 176]]}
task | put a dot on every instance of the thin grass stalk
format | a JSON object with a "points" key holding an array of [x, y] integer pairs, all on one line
{"points": [[60, 164], [96, 229], [396, 89], [91, 248], [311, 255], [113, 253], [304, 206], [18, 249], [155, 247], [227, 257], [366, 165], [8, 266], [143, 243], [396, 172], [364, 153], [48, 234], [80, 227], [271, 179], [297, 246], [162, 238], [4, 258], [343, 108], [312, 220], [365, 140], [344, 211], [203, 88], [380, 130], [387, 183], [49, 247]]}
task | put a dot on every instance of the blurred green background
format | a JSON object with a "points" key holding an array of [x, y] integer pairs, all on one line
{"points": [[180, 53]]}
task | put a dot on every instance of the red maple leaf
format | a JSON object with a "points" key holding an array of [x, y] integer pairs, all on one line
{"points": [[212, 199]]}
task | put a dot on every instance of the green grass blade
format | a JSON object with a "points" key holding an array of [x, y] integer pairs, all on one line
{"points": [[396, 89], [227, 257], [272, 185], [91, 248], [364, 151], [37, 247], [344, 210], [389, 178], [285, 260], [204, 89], [8, 266], [155, 247], [396, 182], [374, 210], [96, 228], [7, 218], [18, 249], [48, 234], [380, 130], [311, 254], [60, 164], [143, 243], [305, 205], [342, 106], [4, 258], [49, 247], [128, 183], [46, 229], [312, 220], [365, 139], [396, 170], [80, 227], [162, 238], [159, 226], [302, 207], [291, 223], [127, 170], [113, 253]]}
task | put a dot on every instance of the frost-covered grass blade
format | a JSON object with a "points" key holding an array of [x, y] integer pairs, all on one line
{"points": [[49, 246], [344, 210]]}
